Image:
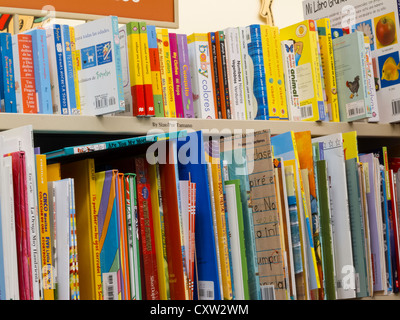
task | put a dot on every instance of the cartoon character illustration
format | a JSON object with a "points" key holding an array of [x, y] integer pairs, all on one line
{"points": [[390, 70], [354, 86], [90, 57]]}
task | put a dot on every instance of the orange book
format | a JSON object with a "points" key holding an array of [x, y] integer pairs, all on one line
{"points": [[212, 43]]}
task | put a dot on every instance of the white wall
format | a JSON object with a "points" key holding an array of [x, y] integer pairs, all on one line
{"points": [[213, 15]]}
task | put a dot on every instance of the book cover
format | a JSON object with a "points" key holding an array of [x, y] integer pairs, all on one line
{"points": [[155, 71], [126, 71], [83, 173], [248, 76], [349, 52], [235, 220], [384, 44], [163, 73], [107, 208], [235, 74], [74, 265], [24, 71], [186, 80], [328, 67], [255, 47], [207, 285], [135, 69], [212, 42], [75, 66], [146, 227], [371, 88], [55, 53], [308, 69], [7, 81], [176, 77], [200, 72], [145, 59], [100, 79], [291, 84]]}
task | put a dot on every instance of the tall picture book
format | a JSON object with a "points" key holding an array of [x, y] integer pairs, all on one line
{"points": [[7, 79], [100, 76], [176, 77]]}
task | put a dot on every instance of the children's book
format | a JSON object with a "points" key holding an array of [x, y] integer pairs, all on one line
{"points": [[126, 76], [7, 79], [173, 42], [212, 42]]}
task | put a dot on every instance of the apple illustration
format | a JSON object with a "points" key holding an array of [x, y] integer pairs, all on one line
{"points": [[385, 31]]}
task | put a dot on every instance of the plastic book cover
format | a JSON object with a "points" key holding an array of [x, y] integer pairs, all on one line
{"points": [[159, 231], [173, 42], [212, 155], [212, 42], [7, 77], [100, 76], [69, 70], [255, 48], [223, 75], [328, 67], [357, 227], [135, 69], [126, 76], [146, 227], [83, 173], [305, 37], [147, 80], [236, 226], [186, 80], [248, 76], [291, 85], [75, 66], [207, 284], [24, 72], [200, 71], [57, 70], [328, 256], [235, 74], [155, 71], [354, 101], [334, 155], [382, 28]]}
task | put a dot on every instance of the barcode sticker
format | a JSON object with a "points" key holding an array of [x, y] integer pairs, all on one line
{"points": [[268, 292], [103, 101], [355, 109], [306, 112], [395, 107], [110, 286], [206, 290]]}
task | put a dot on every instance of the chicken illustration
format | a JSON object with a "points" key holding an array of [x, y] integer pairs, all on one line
{"points": [[353, 86]]}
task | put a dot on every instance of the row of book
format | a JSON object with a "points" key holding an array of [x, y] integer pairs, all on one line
{"points": [[305, 72], [182, 216]]}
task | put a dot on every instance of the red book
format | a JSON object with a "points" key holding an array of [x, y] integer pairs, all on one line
{"points": [[148, 249]]}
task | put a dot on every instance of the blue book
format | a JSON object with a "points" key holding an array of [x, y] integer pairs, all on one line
{"points": [[195, 169], [42, 70], [254, 44], [69, 70], [7, 80]]}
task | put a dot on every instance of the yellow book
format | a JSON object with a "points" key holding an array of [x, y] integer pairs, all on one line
{"points": [[218, 197], [75, 65], [328, 67], [159, 233], [270, 70], [45, 234], [168, 72], [280, 77], [54, 172], [83, 173], [304, 34], [350, 145], [165, 92]]}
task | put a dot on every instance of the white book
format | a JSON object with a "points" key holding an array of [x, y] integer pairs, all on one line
{"points": [[100, 76], [21, 139], [123, 44], [344, 266], [371, 84]]}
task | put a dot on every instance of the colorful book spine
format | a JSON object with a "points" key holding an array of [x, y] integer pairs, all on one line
{"points": [[328, 66], [136, 72], [147, 80], [214, 72], [184, 71], [163, 69], [69, 70], [168, 72], [155, 71], [199, 56], [146, 231], [371, 89], [75, 65], [173, 42], [42, 72], [7, 74], [24, 69], [254, 44], [223, 75]]}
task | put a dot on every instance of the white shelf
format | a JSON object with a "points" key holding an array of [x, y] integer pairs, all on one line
{"points": [[141, 126]]}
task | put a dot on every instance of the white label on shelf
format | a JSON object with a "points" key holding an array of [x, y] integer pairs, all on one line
{"points": [[206, 290]]}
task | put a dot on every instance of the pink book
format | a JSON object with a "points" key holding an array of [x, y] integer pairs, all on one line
{"points": [[176, 76]]}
